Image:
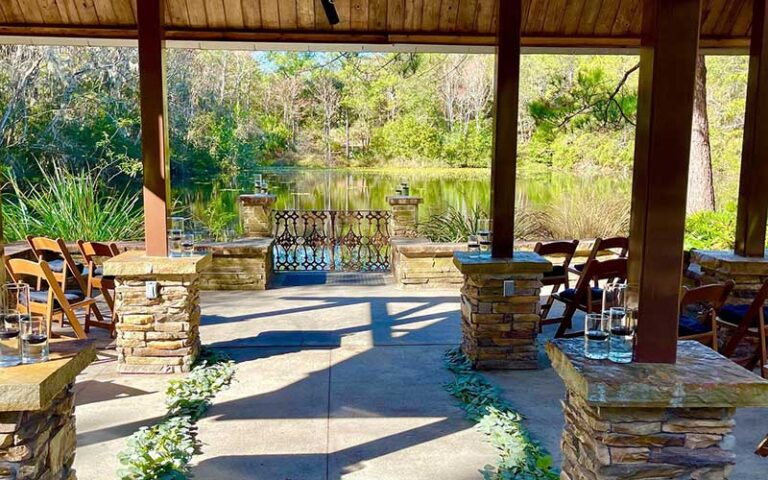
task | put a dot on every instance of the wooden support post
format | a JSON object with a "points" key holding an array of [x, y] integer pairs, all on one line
{"points": [[753, 195], [504, 164], [154, 126], [670, 43]]}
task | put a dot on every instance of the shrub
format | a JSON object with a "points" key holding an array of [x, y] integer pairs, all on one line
{"points": [[711, 230], [454, 225], [589, 215]]}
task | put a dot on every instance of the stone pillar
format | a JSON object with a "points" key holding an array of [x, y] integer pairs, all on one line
{"points": [[37, 415], [651, 420], [157, 335], [405, 215], [499, 331], [256, 214], [749, 273]]}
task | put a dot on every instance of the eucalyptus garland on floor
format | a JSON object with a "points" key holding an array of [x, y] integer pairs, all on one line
{"points": [[522, 458], [164, 451]]}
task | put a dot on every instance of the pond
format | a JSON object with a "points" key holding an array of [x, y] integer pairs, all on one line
{"points": [[313, 189]]}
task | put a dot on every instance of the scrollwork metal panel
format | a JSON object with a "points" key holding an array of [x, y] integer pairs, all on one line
{"points": [[331, 240]]}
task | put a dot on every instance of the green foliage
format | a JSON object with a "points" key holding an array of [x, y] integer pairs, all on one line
{"points": [[164, 451], [454, 225], [218, 215], [711, 230], [71, 206], [407, 139], [521, 458]]}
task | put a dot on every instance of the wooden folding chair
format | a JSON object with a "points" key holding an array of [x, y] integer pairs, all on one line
{"points": [[747, 321], [65, 270], [94, 254], [584, 296], [562, 251], [762, 448], [52, 301], [617, 246], [700, 323]]}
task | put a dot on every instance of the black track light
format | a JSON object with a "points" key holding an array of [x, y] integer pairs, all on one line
{"points": [[330, 11]]}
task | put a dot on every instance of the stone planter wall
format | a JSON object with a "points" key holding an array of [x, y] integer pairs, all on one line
{"points": [[419, 263], [256, 214], [36, 445], [405, 216], [244, 264], [717, 267]]}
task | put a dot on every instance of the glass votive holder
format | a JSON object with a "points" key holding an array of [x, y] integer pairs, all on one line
{"points": [[473, 244], [614, 296], [596, 335], [10, 339], [622, 341], [188, 244], [34, 339], [484, 234]]}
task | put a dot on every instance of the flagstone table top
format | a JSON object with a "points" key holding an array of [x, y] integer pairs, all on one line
{"points": [[137, 263], [701, 378], [521, 262], [33, 386]]}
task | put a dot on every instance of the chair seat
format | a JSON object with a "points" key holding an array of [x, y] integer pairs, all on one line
{"points": [[579, 267], [570, 294], [691, 326], [557, 271], [57, 266], [734, 314], [41, 296]]}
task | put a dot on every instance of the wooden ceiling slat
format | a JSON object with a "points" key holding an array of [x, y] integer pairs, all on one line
{"points": [[214, 12], [252, 15], [572, 16], [49, 12], [3, 18], [741, 26], [413, 15], [377, 15], [553, 23], [589, 16], [344, 9], [30, 11], [728, 16], [289, 14], [485, 12], [359, 15], [607, 17], [124, 12], [430, 17], [176, 11], [711, 14], [628, 13], [270, 14], [196, 13], [87, 12], [233, 13], [305, 14], [104, 12], [395, 15], [448, 15], [465, 22], [537, 13], [321, 21], [68, 12]]}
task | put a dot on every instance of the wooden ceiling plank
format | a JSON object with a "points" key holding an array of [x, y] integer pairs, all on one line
{"points": [[49, 12], [124, 12], [537, 13], [741, 27], [710, 15], [572, 17], [252, 14], [177, 13], [87, 12], [3, 18], [30, 11], [728, 17], [485, 11], [553, 23], [289, 16], [448, 15], [430, 16], [377, 15], [589, 16], [395, 15], [607, 17], [413, 15], [105, 12], [627, 18], [344, 9], [359, 15], [270, 14], [67, 11], [233, 13], [321, 21], [214, 11], [196, 13], [465, 22]]}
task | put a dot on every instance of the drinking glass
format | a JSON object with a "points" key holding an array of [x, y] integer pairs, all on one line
{"points": [[622, 341], [264, 187], [10, 346], [473, 245], [484, 234], [34, 339], [596, 334], [257, 179], [175, 237]]}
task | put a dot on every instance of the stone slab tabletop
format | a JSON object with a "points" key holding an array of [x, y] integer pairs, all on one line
{"points": [[136, 263], [521, 262], [32, 387], [700, 378], [258, 199], [403, 200], [242, 246]]}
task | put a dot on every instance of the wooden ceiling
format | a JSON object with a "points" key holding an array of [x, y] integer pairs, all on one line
{"points": [[574, 23]]}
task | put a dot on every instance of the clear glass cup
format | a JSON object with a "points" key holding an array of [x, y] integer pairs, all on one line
{"points": [[473, 244], [175, 237], [484, 234], [188, 244], [10, 339], [264, 187], [257, 180], [14, 297], [34, 339], [622, 341], [615, 296], [596, 335]]}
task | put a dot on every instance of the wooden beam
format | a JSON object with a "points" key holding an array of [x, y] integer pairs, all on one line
{"points": [[504, 161], [668, 53], [154, 126], [752, 213]]}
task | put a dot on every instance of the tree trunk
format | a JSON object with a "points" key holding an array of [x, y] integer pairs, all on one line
{"points": [[346, 133], [701, 190]]}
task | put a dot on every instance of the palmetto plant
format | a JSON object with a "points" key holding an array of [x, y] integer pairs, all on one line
{"points": [[454, 225], [71, 206]]}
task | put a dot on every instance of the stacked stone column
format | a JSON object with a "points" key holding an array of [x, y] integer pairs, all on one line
{"points": [[749, 274], [649, 421], [157, 335], [256, 214], [499, 331], [405, 215]]}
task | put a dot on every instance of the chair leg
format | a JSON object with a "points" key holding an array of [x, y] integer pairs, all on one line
{"points": [[550, 301], [74, 323], [567, 321]]}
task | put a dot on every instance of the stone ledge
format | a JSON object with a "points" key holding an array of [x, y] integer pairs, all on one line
{"points": [[242, 247], [521, 262], [702, 378], [729, 262], [257, 199], [137, 263], [33, 387], [403, 200]]}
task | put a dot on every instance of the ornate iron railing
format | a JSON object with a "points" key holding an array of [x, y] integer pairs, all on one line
{"points": [[332, 240]]}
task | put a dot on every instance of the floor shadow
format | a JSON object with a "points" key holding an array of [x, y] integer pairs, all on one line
{"points": [[95, 391]]}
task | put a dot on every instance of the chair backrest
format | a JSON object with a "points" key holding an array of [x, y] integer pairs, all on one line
{"points": [[48, 249], [595, 270], [562, 248], [22, 270], [92, 251], [715, 295], [618, 245], [44, 248]]}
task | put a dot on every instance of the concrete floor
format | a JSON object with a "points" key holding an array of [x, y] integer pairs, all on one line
{"points": [[339, 376]]}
